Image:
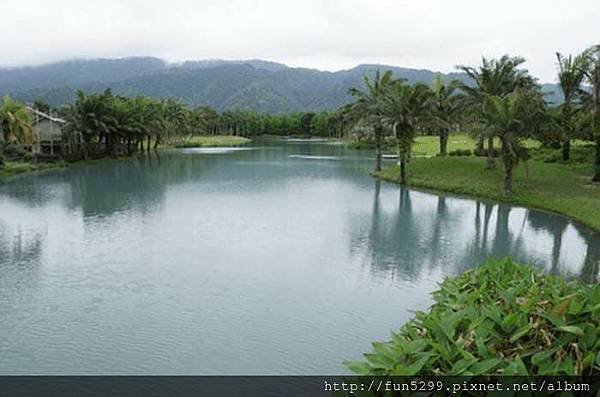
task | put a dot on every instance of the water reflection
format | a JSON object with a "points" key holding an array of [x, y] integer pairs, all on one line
{"points": [[229, 263], [456, 234], [20, 261]]}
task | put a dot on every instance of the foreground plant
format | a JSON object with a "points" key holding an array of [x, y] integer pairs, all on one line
{"points": [[501, 318]]}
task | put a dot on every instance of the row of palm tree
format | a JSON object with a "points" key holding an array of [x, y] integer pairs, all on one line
{"points": [[500, 101], [113, 124]]}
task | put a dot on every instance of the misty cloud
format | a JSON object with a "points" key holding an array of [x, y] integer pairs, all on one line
{"points": [[330, 35]]}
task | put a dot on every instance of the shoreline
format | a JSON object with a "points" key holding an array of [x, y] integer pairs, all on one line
{"points": [[15, 169], [389, 175]]}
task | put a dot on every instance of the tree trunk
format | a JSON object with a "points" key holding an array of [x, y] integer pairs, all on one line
{"points": [[491, 161], [157, 142], [402, 155], [113, 147], [148, 143], [378, 139], [596, 177], [479, 145], [107, 145], [591, 264], [566, 150], [443, 142], [508, 167]]}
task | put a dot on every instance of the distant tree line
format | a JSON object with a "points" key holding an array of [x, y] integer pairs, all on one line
{"points": [[111, 125], [502, 101]]}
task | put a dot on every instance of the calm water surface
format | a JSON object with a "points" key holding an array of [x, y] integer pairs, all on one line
{"points": [[275, 259]]}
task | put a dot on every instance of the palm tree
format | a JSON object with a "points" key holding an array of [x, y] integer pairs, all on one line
{"points": [[404, 107], [445, 109], [15, 121], [93, 118], [570, 77], [510, 118], [177, 119], [494, 77], [592, 101], [206, 120], [368, 107]]}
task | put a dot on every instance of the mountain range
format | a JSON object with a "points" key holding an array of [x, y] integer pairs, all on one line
{"points": [[263, 86]]}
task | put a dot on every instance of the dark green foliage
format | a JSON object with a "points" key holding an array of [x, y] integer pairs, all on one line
{"points": [[305, 123], [13, 152], [461, 152], [501, 318], [580, 154]]}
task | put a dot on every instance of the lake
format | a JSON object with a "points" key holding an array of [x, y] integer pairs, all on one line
{"points": [[279, 258]]}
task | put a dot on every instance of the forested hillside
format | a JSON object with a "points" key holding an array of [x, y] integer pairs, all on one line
{"points": [[253, 84]]}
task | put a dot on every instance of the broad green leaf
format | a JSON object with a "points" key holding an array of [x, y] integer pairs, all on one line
{"points": [[359, 368], [571, 329], [484, 367], [519, 334]]}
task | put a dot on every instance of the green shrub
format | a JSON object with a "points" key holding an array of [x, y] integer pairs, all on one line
{"points": [[14, 152], [460, 152], [580, 154], [501, 318]]}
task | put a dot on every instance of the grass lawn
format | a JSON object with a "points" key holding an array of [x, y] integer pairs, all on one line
{"points": [[430, 145], [20, 167], [214, 141], [562, 188], [426, 146]]}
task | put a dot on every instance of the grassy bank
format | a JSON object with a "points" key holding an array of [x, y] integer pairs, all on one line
{"points": [[423, 145], [562, 188], [428, 146], [214, 141], [13, 168], [501, 318]]}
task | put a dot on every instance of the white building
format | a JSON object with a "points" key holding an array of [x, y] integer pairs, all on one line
{"points": [[47, 132]]}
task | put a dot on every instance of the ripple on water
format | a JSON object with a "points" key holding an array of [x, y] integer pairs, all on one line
{"points": [[213, 150], [309, 157]]}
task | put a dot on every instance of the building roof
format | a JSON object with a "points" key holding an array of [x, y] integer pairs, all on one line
{"points": [[46, 116]]}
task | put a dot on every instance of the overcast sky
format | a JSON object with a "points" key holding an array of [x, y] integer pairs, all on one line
{"points": [[321, 34]]}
